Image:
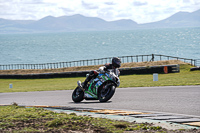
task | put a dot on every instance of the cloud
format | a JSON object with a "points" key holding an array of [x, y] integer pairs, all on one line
{"points": [[141, 11], [19, 9], [34, 2], [89, 5], [110, 3], [67, 10], [138, 3]]}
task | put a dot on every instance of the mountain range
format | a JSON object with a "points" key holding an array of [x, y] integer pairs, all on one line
{"points": [[79, 22]]}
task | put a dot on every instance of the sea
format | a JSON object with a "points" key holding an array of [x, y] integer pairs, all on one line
{"points": [[35, 48]]}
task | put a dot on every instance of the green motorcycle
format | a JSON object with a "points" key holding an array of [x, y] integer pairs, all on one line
{"points": [[101, 88]]}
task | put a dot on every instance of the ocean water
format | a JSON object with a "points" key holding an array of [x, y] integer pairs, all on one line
{"points": [[63, 47]]}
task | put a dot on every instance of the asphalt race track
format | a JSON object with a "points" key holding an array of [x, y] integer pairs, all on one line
{"points": [[170, 99]]}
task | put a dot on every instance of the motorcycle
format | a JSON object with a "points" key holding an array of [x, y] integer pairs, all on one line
{"points": [[101, 88]]}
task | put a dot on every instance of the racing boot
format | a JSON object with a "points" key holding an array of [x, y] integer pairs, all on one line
{"points": [[83, 85], [80, 85]]}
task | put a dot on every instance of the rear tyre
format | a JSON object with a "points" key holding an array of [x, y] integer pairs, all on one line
{"points": [[77, 95], [106, 94]]}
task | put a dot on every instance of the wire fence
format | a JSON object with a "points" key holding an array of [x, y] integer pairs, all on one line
{"points": [[100, 61]]}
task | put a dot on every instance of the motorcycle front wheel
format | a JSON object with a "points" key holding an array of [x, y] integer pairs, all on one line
{"points": [[77, 95], [106, 94]]}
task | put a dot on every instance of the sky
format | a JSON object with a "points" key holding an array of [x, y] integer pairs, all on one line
{"points": [[140, 11]]}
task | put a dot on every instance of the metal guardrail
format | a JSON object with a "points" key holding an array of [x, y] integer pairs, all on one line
{"points": [[156, 57], [197, 62], [100, 61]]}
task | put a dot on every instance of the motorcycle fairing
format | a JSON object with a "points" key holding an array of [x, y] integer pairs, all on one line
{"points": [[96, 83]]}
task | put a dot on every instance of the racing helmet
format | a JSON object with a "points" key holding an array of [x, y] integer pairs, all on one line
{"points": [[116, 62]]}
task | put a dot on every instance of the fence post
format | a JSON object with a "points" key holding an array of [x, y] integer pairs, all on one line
{"points": [[142, 58], [152, 58], [191, 62]]}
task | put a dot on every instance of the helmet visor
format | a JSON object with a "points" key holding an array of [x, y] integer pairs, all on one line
{"points": [[117, 64]]}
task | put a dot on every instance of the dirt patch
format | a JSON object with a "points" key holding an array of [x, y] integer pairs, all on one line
{"points": [[84, 68], [36, 125]]}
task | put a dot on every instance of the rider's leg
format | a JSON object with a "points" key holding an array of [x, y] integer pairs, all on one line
{"points": [[92, 74]]}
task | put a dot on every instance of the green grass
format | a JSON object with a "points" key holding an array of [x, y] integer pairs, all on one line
{"points": [[185, 77], [25, 85], [19, 119]]}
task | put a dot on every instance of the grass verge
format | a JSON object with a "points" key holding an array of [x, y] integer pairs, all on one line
{"points": [[185, 77], [19, 119]]}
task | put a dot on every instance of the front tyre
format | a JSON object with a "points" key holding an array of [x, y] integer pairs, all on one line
{"points": [[106, 94], [77, 95]]}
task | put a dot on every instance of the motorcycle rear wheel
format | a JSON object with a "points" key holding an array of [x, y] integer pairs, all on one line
{"points": [[106, 94], [77, 95]]}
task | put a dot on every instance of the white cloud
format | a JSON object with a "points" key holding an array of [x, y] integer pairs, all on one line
{"points": [[141, 11]]}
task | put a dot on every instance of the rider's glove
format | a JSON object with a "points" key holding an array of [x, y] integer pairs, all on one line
{"points": [[101, 69]]}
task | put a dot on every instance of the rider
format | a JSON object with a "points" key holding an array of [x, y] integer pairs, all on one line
{"points": [[116, 63]]}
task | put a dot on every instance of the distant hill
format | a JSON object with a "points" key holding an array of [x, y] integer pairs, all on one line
{"points": [[81, 23], [180, 19]]}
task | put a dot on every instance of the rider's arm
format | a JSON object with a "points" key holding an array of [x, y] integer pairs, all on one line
{"points": [[102, 69]]}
